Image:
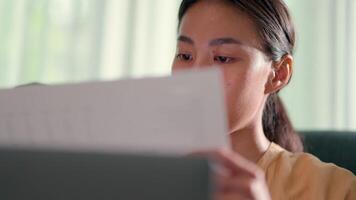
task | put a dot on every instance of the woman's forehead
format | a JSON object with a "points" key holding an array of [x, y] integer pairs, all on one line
{"points": [[208, 19]]}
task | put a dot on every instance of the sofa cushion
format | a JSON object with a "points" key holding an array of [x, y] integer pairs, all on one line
{"points": [[338, 147]]}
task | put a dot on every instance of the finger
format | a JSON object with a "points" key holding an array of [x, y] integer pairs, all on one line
{"points": [[216, 166], [227, 184], [244, 186], [240, 185], [230, 196], [235, 163], [219, 182]]}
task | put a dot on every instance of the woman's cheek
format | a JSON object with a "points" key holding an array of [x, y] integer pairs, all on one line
{"points": [[228, 84]]}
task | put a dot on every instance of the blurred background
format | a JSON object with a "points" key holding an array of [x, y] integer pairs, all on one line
{"points": [[60, 41]]}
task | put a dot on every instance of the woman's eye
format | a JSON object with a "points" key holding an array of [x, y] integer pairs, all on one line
{"points": [[223, 59], [184, 56]]}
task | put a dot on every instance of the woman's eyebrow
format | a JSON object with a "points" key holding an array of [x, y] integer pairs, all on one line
{"points": [[186, 39], [214, 42], [221, 41]]}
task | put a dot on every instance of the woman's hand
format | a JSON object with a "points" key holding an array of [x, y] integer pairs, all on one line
{"points": [[237, 178]]}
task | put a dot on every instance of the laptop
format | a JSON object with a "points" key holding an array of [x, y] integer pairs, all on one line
{"points": [[64, 175]]}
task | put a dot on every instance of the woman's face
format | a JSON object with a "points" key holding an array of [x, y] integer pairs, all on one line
{"points": [[216, 33]]}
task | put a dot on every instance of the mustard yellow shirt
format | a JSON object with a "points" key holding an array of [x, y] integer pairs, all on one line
{"points": [[303, 176]]}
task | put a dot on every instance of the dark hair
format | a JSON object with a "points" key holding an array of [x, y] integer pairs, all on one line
{"points": [[277, 34]]}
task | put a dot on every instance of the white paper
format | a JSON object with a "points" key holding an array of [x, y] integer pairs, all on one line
{"points": [[177, 114]]}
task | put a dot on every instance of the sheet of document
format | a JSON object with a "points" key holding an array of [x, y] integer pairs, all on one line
{"points": [[176, 114]]}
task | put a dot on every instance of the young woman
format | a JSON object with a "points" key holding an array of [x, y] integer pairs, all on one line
{"points": [[252, 42]]}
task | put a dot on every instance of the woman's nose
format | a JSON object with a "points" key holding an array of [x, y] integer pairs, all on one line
{"points": [[203, 62]]}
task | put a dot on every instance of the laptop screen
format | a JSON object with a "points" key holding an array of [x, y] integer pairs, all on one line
{"points": [[56, 175]]}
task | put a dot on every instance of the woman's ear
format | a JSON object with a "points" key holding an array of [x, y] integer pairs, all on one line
{"points": [[280, 74]]}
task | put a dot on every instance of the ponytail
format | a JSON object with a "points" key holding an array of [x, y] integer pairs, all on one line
{"points": [[277, 126]]}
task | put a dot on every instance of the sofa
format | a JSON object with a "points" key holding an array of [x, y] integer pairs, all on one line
{"points": [[338, 147]]}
